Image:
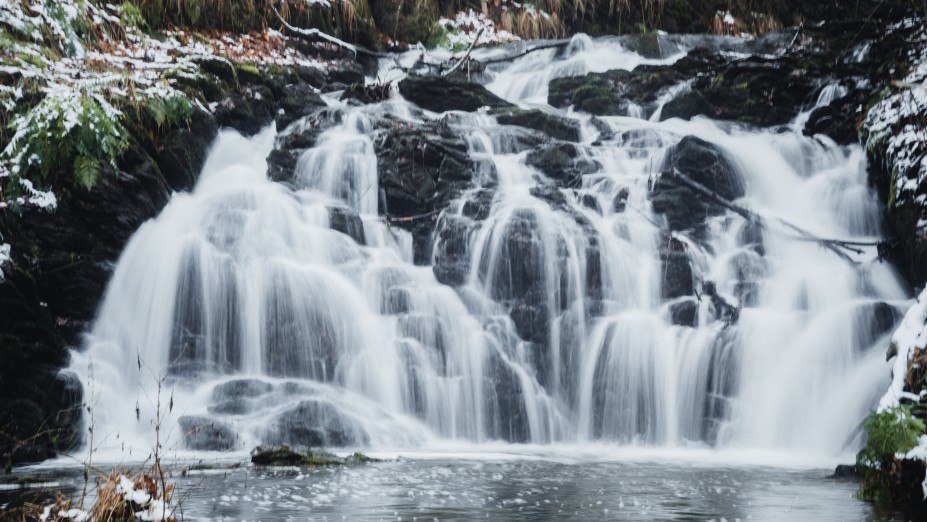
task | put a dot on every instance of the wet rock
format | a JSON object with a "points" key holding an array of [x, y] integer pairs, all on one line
{"points": [[749, 269], [247, 111], [563, 163], [281, 164], [452, 251], [758, 91], [621, 200], [347, 222], [591, 202], [505, 412], [684, 313], [556, 127], [676, 272], [205, 434], [847, 472], [239, 388], [421, 168], [703, 163], [838, 119], [298, 101], [874, 320], [298, 456], [478, 204], [315, 423], [441, 94], [531, 316]]}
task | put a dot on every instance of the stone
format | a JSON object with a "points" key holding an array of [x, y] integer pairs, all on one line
{"points": [[441, 94]]}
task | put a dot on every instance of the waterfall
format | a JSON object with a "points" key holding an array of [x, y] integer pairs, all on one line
{"points": [[293, 313]]}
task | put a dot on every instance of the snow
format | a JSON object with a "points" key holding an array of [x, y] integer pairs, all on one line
{"points": [[911, 334], [897, 121], [464, 28], [919, 452], [154, 509]]}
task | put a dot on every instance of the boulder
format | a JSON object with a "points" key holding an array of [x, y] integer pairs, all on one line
{"points": [[315, 423], [441, 94], [703, 163], [563, 163], [205, 434], [556, 127]]}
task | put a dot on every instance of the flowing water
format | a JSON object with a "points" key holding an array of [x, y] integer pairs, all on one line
{"points": [[289, 313]]}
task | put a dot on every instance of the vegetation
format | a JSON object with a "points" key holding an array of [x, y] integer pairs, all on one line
{"points": [[892, 433]]}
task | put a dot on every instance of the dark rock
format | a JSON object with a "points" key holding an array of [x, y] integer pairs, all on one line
{"points": [[591, 202], [452, 251], [298, 456], [621, 199], [505, 411], [703, 163], [298, 101], [347, 222], [421, 168], [758, 91], [563, 163], [749, 269], [205, 434], [847, 472], [676, 272], [838, 119], [440, 94], [247, 111], [684, 313], [315, 423], [556, 127], [281, 164]]}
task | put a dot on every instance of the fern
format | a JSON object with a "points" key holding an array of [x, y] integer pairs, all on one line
{"points": [[891, 432]]}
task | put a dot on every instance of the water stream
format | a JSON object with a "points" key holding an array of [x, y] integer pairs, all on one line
{"points": [[291, 313]]}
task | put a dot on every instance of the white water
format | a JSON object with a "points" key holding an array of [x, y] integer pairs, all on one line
{"points": [[351, 343]]}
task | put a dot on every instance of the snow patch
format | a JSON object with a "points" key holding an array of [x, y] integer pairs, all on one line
{"points": [[467, 26], [911, 334]]}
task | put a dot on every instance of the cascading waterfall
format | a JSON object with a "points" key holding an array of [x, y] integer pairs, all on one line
{"points": [[293, 314]]}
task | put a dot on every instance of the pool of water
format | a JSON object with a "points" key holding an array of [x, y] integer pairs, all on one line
{"points": [[500, 486]]}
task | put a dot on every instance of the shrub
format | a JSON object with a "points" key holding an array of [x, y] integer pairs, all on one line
{"points": [[891, 432]]}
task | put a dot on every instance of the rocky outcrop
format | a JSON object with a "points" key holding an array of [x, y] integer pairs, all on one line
{"points": [[441, 94]]}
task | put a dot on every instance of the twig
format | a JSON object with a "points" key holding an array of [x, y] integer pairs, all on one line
{"points": [[467, 55]]}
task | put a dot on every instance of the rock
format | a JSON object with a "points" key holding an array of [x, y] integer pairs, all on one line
{"points": [[621, 199], [684, 313], [847, 472], [347, 222], [676, 272], [504, 407], [440, 94], [315, 422], [298, 101], [247, 111], [838, 119], [298, 456], [563, 163], [556, 127], [421, 168], [703, 163], [452, 251], [755, 90], [205, 434]]}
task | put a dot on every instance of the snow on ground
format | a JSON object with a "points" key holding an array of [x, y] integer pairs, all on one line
{"points": [[911, 334], [467, 25], [898, 120]]}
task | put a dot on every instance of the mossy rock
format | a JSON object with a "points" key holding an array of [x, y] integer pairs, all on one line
{"points": [[287, 456]]}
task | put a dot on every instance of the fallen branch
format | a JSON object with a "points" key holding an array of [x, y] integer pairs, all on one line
{"points": [[551, 45], [467, 55], [839, 247], [317, 35]]}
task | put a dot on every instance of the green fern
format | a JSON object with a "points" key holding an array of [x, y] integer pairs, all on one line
{"points": [[891, 432]]}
